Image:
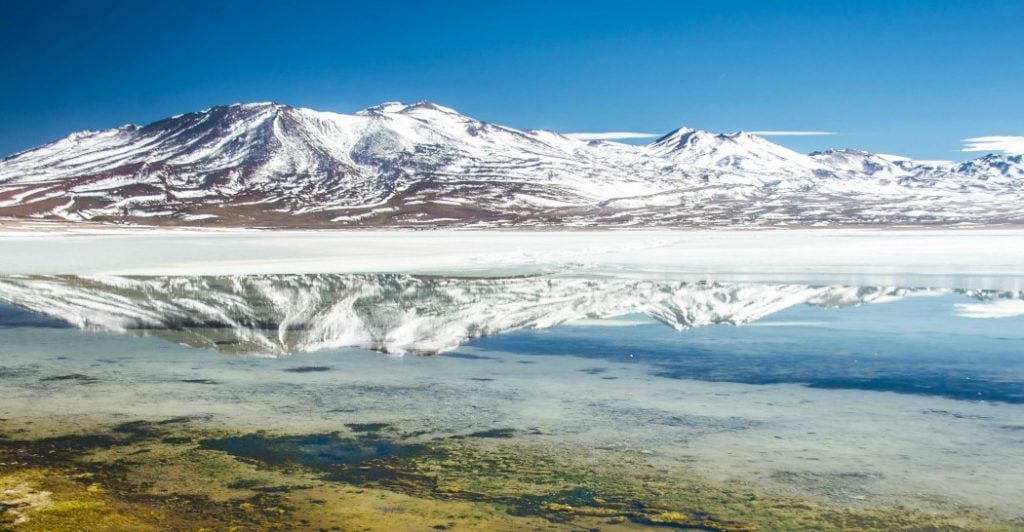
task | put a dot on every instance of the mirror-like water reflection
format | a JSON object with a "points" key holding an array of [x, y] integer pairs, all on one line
{"points": [[563, 401], [281, 314]]}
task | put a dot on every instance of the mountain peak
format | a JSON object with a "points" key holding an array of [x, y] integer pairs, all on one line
{"points": [[241, 107], [254, 105], [404, 108], [383, 108], [430, 106], [675, 136], [685, 138], [839, 151]]}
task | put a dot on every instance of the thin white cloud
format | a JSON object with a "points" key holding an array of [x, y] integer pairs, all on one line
{"points": [[791, 133], [612, 135], [1008, 144]]}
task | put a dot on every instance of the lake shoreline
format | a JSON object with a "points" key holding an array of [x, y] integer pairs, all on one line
{"points": [[949, 258]]}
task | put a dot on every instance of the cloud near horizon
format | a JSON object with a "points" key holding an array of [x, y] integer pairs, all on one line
{"points": [[612, 135], [1008, 144], [791, 133]]}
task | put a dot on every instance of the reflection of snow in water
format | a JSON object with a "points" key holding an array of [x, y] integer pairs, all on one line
{"points": [[1006, 308], [849, 445], [280, 314]]}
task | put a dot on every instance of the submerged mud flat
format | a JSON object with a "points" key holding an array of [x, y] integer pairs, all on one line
{"points": [[181, 473], [137, 403]]}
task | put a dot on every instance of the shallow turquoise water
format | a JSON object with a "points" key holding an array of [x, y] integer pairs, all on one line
{"points": [[916, 345], [847, 392]]}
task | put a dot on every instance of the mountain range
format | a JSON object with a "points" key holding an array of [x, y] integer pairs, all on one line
{"points": [[425, 165]]}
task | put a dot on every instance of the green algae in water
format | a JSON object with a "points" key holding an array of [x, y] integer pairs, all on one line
{"points": [[494, 433], [264, 481], [324, 452], [367, 427]]}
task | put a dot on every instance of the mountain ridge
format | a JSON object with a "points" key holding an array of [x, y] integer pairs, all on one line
{"points": [[426, 165]]}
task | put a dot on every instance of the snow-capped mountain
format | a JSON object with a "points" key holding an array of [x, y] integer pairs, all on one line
{"points": [[426, 165], [281, 314]]}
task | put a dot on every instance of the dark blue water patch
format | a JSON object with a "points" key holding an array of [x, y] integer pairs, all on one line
{"points": [[915, 346], [342, 459], [76, 378], [199, 381], [308, 369], [12, 317], [468, 356]]}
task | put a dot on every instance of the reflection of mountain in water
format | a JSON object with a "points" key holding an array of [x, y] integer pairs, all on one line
{"points": [[278, 314]]}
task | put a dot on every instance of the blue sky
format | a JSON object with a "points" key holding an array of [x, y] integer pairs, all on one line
{"points": [[912, 77]]}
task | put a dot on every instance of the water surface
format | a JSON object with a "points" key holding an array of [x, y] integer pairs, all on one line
{"points": [[526, 401]]}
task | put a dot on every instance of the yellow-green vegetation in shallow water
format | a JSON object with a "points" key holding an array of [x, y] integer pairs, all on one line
{"points": [[619, 488], [47, 499], [177, 474]]}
